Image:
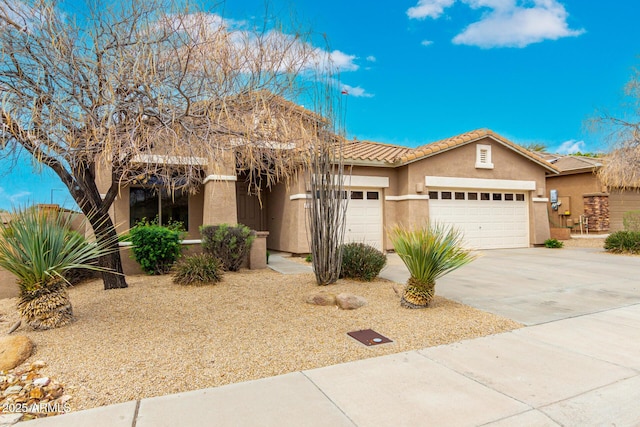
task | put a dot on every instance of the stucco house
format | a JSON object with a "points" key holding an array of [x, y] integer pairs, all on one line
{"points": [[584, 203], [491, 188]]}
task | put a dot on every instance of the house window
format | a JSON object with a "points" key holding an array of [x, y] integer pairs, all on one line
{"points": [[459, 195], [520, 197], [508, 196], [483, 157], [357, 195], [433, 195], [485, 196], [472, 196], [151, 204], [497, 196], [446, 195], [372, 195]]}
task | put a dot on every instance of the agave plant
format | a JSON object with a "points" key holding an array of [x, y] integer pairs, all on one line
{"points": [[39, 247], [429, 252]]}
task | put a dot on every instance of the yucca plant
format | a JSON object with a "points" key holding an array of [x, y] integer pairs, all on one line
{"points": [[39, 247], [429, 252]]}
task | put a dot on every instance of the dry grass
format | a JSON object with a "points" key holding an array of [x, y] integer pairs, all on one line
{"points": [[157, 338]]}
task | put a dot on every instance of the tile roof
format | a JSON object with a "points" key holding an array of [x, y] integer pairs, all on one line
{"points": [[396, 155], [373, 151], [576, 163]]}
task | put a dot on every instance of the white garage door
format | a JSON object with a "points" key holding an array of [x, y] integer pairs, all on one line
{"points": [[364, 217], [488, 219]]}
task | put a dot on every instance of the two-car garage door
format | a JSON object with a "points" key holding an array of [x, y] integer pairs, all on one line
{"points": [[489, 219]]}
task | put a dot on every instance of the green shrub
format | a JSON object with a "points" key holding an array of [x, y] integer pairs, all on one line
{"points": [[155, 248], [429, 252], [361, 261], [197, 270], [623, 242], [631, 220], [553, 243], [230, 244], [308, 258]]}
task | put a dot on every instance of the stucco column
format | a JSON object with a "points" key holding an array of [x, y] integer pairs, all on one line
{"points": [[540, 220], [220, 195]]}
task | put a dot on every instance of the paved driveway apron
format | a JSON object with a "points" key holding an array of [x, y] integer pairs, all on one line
{"points": [[539, 285]]}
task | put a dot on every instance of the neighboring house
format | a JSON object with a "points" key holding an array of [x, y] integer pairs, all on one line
{"points": [[491, 188], [585, 203], [582, 201]]}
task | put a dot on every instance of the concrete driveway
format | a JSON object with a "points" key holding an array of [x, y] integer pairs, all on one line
{"points": [[539, 285]]}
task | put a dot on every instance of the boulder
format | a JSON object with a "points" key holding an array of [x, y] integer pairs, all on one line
{"points": [[349, 301], [322, 298], [14, 351]]}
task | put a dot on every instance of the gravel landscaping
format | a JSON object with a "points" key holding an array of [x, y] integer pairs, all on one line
{"points": [[156, 338]]}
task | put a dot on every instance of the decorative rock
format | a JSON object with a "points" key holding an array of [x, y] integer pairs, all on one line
{"points": [[14, 351], [36, 393], [38, 364], [10, 419], [322, 298], [41, 382], [349, 301], [14, 389]]}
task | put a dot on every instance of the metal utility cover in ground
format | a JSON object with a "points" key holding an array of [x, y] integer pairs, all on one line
{"points": [[369, 337]]}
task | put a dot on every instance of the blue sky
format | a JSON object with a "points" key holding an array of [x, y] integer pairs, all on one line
{"points": [[421, 70]]}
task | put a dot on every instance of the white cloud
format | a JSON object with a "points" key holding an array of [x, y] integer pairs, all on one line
{"points": [[343, 61], [571, 146], [426, 42], [429, 9], [371, 58], [509, 23], [244, 47], [13, 199], [357, 91]]}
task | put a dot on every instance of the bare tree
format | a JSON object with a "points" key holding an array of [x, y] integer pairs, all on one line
{"points": [[151, 89], [621, 167], [327, 208]]}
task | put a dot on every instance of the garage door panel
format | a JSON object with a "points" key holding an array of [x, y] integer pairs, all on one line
{"points": [[486, 224], [363, 221]]}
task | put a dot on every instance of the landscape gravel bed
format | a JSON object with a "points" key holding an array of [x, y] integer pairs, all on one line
{"points": [[155, 337]]}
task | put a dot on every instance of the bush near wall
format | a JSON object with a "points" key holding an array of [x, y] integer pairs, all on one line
{"points": [[229, 243], [155, 248], [623, 242], [361, 261]]}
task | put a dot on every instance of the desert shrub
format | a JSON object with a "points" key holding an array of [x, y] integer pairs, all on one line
{"points": [[155, 248], [553, 243], [361, 261], [308, 258], [631, 220], [623, 242], [229, 243], [429, 252], [197, 270]]}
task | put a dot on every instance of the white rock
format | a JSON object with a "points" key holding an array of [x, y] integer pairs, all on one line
{"points": [[41, 382], [10, 419], [14, 389]]}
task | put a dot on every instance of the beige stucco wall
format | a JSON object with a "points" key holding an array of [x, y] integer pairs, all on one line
{"points": [[619, 203], [571, 190], [460, 163], [286, 218]]}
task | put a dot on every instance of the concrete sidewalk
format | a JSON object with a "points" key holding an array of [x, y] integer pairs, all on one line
{"points": [[583, 371], [580, 370]]}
